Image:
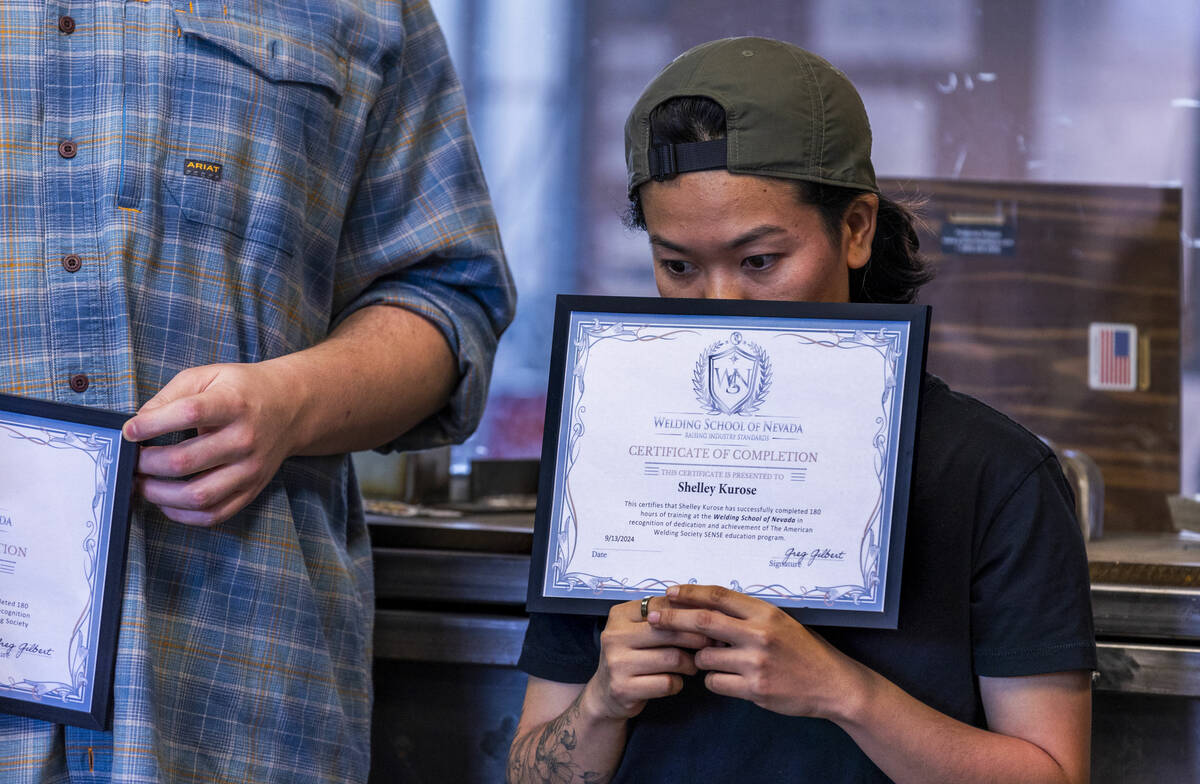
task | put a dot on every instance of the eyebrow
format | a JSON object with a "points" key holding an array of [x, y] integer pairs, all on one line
{"points": [[756, 233]]}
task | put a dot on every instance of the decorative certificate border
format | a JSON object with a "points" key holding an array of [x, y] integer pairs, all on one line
{"points": [[896, 334], [82, 696]]}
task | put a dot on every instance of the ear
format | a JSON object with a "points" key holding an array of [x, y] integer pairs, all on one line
{"points": [[858, 230]]}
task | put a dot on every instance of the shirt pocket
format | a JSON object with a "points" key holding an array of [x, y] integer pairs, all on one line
{"points": [[252, 111]]}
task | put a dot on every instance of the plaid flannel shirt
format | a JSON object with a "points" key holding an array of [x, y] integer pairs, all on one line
{"points": [[186, 182]]}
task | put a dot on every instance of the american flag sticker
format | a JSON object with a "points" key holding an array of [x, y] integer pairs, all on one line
{"points": [[1112, 356]]}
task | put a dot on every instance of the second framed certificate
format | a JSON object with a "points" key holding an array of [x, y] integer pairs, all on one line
{"points": [[763, 446], [66, 479]]}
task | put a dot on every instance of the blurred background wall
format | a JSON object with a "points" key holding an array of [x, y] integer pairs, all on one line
{"points": [[1103, 92]]}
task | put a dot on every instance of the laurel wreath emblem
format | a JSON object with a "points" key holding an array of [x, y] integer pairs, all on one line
{"points": [[700, 378]]}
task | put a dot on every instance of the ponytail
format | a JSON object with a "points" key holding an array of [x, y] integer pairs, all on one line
{"points": [[896, 270]]}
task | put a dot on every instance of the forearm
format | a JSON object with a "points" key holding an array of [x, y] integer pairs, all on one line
{"points": [[912, 742], [382, 371], [568, 748]]}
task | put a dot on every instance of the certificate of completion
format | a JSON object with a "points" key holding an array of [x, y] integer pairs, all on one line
{"points": [[764, 447], [65, 481]]}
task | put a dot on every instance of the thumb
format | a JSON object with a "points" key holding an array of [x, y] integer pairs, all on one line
{"points": [[189, 381]]}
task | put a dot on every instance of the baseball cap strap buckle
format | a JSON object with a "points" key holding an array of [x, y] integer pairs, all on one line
{"points": [[667, 160]]}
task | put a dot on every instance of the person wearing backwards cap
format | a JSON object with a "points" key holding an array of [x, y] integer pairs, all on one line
{"points": [[749, 167]]}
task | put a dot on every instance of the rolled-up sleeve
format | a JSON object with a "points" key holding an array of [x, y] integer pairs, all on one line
{"points": [[420, 233]]}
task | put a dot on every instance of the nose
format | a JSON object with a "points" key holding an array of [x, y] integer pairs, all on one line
{"points": [[723, 285]]}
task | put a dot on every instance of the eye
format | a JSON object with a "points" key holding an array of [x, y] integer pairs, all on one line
{"points": [[760, 262], [675, 266]]}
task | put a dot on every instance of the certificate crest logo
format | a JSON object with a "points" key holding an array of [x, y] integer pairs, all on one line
{"points": [[732, 376]]}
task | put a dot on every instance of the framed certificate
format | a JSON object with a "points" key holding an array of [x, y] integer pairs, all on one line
{"points": [[65, 481], [763, 446]]}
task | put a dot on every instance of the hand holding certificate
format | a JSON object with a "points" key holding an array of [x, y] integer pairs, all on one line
{"points": [[765, 447], [65, 482]]}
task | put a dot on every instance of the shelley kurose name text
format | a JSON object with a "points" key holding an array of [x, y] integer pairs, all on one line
{"points": [[720, 489]]}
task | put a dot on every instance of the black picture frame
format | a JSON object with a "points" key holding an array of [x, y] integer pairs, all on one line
{"points": [[917, 318], [94, 710]]}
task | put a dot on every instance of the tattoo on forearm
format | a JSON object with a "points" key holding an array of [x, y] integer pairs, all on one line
{"points": [[545, 755]]}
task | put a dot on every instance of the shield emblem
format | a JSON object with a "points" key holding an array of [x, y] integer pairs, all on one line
{"points": [[732, 378]]}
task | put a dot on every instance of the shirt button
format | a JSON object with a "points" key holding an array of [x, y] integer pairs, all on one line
{"points": [[66, 25], [71, 262], [80, 382], [67, 149]]}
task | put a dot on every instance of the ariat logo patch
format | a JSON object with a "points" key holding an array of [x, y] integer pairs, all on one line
{"points": [[206, 169]]}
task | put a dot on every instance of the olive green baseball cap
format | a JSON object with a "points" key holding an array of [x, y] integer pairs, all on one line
{"points": [[788, 113]]}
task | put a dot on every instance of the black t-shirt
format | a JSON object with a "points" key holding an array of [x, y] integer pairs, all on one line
{"points": [[995, 583]]}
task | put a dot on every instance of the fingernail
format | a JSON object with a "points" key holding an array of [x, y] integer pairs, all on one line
{"points": [[654, 616], [129, 431], [673, 591]]}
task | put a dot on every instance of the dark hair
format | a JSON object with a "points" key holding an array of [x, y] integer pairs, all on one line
{"points": [[896, 269]]}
